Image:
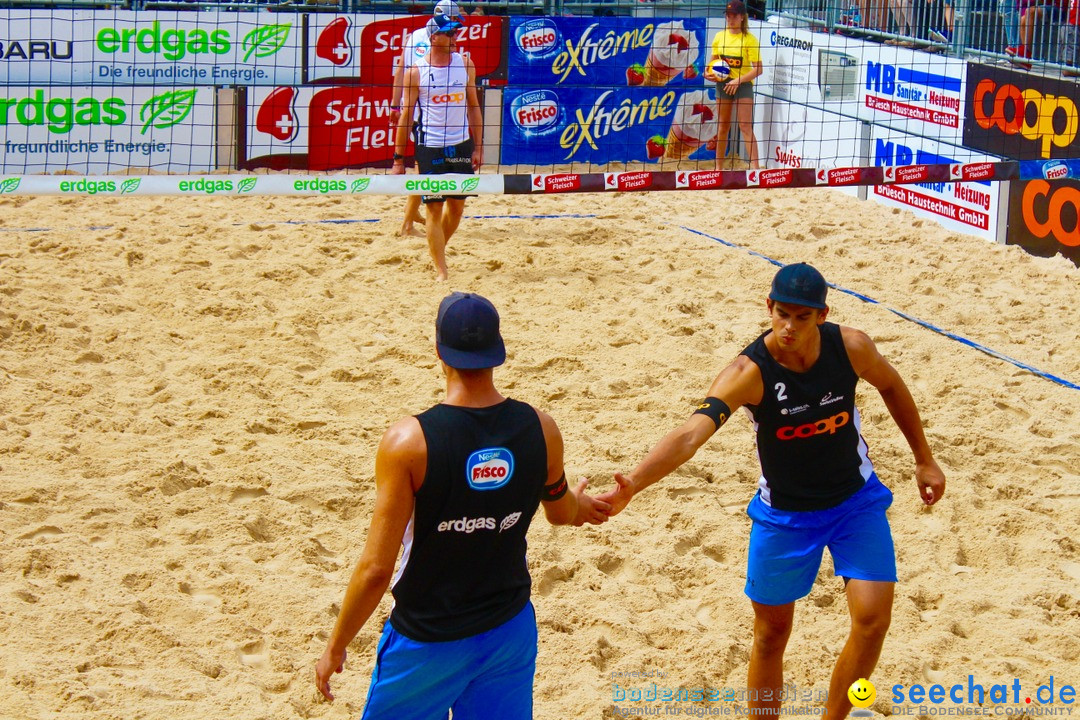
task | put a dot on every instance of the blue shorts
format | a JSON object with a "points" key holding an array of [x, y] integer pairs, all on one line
{"points": [[786, 547], [489, 675]]}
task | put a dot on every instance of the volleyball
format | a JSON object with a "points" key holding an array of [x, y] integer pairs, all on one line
{"points": [[720, 69]]}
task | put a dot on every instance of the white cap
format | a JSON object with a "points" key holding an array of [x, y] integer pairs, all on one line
{"points": [[446, 7]]}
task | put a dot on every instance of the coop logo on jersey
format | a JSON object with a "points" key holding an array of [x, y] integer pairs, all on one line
{"points": [[277, 116], [810, 429], [333, 42], [489, 469], [536, 113], [537, 38]]}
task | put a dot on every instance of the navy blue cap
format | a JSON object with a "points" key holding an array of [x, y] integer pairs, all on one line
{"points": [[467, 332], [799, 284], [446, 23]]}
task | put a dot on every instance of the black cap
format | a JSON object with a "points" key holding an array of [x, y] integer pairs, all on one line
{"points": [[735, 7], [799, 284], [467, 332]]}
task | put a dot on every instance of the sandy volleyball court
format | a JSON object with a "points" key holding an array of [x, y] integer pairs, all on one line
{"points": [[191, 392]]}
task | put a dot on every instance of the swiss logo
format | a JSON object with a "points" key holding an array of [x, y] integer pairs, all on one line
{"points": [[489, 469], [333, 42], [277, 116]]}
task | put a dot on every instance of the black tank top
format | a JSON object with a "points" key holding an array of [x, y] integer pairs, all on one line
{"points": [[464, 571], [809, 442]]}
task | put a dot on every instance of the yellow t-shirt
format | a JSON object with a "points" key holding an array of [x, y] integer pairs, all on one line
{"points": [[739, 51]]}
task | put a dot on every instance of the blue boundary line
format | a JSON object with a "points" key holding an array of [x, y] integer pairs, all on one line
{"points": [[922, 323], [343, 221]]}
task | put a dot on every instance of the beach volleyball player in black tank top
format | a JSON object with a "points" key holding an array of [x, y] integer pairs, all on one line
{"points": [[817, 489]]}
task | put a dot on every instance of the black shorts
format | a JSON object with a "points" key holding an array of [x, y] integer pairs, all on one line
{"points": [[440, 160], [745, 90]]}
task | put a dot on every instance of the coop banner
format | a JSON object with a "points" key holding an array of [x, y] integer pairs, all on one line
{"points": [[612, 52], [101, 130], [547, 127], [54, 47]]}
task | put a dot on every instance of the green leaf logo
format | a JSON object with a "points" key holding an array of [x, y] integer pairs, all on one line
{"points": [[10, 185], [360, 185], [166, 109], [266, 40], [246, 185], [130, 186], [469, 184]]}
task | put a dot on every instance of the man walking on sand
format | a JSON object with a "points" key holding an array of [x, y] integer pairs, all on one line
{"points": [[417, 48], [450, 131], [458, 485], [817, 488]]}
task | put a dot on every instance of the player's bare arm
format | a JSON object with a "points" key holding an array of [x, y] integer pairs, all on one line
{"points": [[871, 366], [571, 506], [476, 117], [396, 93], [404, 127], [736, 385], [399, 470]]}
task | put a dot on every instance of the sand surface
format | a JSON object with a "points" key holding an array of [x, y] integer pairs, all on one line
{"points": [[192, 390]]}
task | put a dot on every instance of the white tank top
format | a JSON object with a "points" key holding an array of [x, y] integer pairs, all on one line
{"points": [[443, 119]]}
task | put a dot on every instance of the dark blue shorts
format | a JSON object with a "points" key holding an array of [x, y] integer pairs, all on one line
{"points": [[489, 675], [786, 547], [439, 160]]}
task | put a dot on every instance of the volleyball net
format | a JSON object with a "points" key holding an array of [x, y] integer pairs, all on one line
{"points": [[223, 100]]}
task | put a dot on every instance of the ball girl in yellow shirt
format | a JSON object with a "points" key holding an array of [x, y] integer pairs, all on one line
{"points": [[739, 50]]}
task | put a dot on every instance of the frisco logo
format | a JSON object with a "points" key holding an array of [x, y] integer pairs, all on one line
{"points": [[1056, 170], [536, 111], [537, 37], [489, 469]]}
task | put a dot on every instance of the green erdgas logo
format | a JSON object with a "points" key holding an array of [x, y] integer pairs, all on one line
{"points": [[246, 185], [431, 185], [469, 184], [360, 185], [10, 185], [171, 43], [87, 186], [130, 186], [205, 185], [265, 40], [320, 185], [166, 109], [61, 114]]}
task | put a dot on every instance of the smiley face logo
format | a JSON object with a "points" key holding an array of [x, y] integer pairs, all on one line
{"points": [[862, 693]]}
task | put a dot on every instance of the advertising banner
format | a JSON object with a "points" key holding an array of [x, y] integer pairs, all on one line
{"points": [[367, 49], [910, 91], [553, 52], [290, 184], [1022, 116], [318, 128], [101, 130], [1044, 217], [57, 47], [968, 207], [640, 124]]}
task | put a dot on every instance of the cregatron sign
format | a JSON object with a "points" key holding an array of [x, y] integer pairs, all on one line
{"points": [[318, 128], [100, 130], [149, 48], [1021, 116]]}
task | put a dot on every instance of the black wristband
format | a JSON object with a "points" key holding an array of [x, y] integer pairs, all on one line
{"points": [[715, 409], [555, 490], [398, 156]]}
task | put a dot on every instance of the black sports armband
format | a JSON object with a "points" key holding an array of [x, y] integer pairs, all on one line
{"points": [[715, 409], [555, 490]]}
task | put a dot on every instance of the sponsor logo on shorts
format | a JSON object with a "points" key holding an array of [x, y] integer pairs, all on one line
{"points": [[489, 469], [828, 425]]}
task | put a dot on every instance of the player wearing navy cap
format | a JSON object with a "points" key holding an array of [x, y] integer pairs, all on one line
{"points": [[458, 485], [817, 487]]}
